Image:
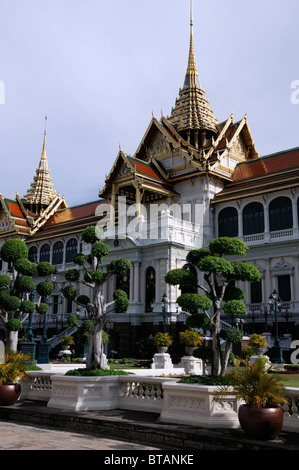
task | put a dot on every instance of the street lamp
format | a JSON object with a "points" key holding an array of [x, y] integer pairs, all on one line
{"points": [[164, 303], [275, 304], [29, 345]]}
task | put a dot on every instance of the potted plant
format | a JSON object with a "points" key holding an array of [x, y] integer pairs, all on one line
{"points": [[14, 369], [258, 343], [67, 341], [190, 339], [261, 417], [162, 341]]}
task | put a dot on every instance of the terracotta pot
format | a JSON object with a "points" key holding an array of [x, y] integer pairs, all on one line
{"points": [[260, 423], [9, 394]]}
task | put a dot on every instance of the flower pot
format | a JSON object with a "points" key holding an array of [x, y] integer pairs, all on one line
{"points": [[189, 350], [260, 423], [9, 394], [162, 349]]}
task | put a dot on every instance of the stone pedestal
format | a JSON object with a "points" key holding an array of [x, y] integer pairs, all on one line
{"points": [[162, 361], [192, 365]]}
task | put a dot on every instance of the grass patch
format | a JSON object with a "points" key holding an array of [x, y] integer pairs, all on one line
{"points": [[204, 380], [95, 372], [288, 380]]}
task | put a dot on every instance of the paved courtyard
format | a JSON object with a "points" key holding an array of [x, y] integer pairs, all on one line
{"points": [[24, 437]]}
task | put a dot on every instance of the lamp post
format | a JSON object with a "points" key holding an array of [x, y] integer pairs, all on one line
{"points": [[164, 303], [275, 304], [43, 349], [29, 345]]}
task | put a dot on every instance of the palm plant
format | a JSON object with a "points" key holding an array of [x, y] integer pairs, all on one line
{"points": [[253, 384], [15, 367]]}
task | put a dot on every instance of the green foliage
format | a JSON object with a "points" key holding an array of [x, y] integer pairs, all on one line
{"points": [[204, 380], [232, 335], [191, 302], [4, 293], [99, 277], [24, 266], [15, 367], [233, 293], [121, 301], [119, 293], [194, 256], [119, 266], [245, 272], [253, 384], [234, 307], [121, 304], [162, 339], [204, 353], [91, 234], [72, 320], [215, 264], [69, 292], [83, 299], [87, 325], [198, 320], [257, 341], [72, 275], [45, 288], [87, 275], [27, 306], [182, 277], [45, 269], [100, 250], [228, 246], [24, 284], [67, 340], [95, 372], [42, 308], [11, 303], [14, 324], [13, 249], [190, 337], [4, 280], [79, 259]]}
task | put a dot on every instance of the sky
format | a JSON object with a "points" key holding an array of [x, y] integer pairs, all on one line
{"points": [[99, 70]]}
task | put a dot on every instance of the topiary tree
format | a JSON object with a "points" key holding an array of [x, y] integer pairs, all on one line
{"points": [[15, 291], [219, 292], [89, 274]]}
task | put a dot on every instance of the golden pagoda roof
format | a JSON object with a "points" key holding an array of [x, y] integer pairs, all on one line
{"points": [[41, 191], [192, 109]]}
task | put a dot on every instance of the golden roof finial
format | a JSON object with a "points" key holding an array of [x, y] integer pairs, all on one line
{"points": [[192, 110], [43, 161], [41, 191]]}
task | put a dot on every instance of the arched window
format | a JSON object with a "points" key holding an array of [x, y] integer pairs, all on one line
{"points": [[123, 282], [150, 288], [32, 254], [57, 253], [228, 222], [45, 253], [280, 213], [71, 249], [253, 218]]}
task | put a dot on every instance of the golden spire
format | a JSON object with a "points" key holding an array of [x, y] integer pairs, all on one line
{"points": [[192, 111], [41, 191]]}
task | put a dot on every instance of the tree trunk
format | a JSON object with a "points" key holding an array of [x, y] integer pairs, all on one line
{"points": [[226, 356], [95, 356], [216, 362], [12, 340]]}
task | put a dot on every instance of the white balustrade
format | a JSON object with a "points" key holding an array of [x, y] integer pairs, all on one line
{"points": [[176, 403]]}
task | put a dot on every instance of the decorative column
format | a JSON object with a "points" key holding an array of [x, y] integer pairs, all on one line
{"points": [[136, 297]]}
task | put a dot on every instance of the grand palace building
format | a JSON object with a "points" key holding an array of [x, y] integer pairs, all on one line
{"points": [[190, 180]]}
